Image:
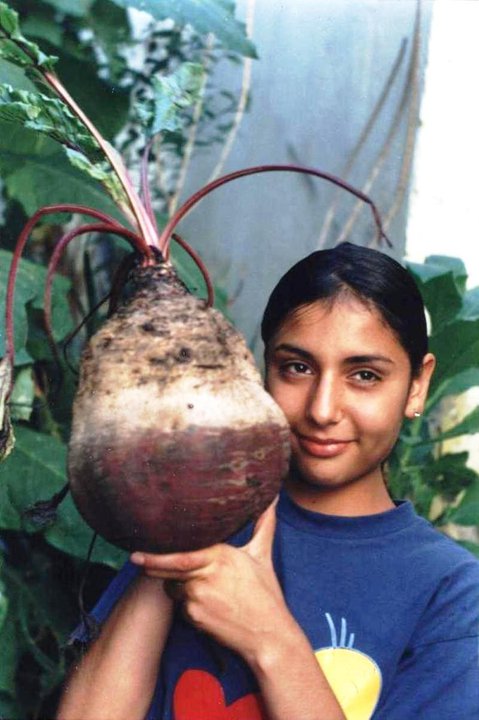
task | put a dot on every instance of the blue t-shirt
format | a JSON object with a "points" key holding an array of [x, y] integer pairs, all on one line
{"points": [[390, 607]]}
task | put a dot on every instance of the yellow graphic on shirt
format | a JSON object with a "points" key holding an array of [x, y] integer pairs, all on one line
{"points": [[353, 676]]}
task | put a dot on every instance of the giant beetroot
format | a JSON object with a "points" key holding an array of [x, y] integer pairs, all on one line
{"points": [[175, 444]]}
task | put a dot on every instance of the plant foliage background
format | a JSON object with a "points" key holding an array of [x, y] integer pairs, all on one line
{"points": [[123, 81]]}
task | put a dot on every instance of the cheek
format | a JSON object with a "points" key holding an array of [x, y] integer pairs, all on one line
{"points": [[288, 400], [382, 416]]}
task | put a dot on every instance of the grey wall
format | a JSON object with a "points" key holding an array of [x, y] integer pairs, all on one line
{"points": [[322, 67]]}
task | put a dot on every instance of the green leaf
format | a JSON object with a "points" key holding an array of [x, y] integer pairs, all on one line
{"points": [[72, 535], [45, 27], [14, 76], [21, 400], [449, 474], [215, 16], [453, 264], [467, 513], [29, 289], [468, 426], [49, 116], [35, 471], [50, 180], [456, 347], [455, 386], [15, 48], [439, 291], [172, 95], [79, 8]]}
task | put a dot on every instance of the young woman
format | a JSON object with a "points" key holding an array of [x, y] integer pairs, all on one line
{"points": [[340, 602]]}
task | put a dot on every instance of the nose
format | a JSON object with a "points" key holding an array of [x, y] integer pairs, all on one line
{"points": [[324, 402]]}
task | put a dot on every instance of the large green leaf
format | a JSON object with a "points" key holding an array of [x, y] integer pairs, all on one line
{"points": [[15, 48], [35, 471], [215, 16], [455, 386], [18, 145], [440, 292], [28, 290], [452, 264], [46, 115], [14, 76], [456, 347], [51, 117], [467, 513], [50, 180]]}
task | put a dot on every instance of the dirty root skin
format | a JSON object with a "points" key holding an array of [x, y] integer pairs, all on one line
{"points": [[175, 444]]}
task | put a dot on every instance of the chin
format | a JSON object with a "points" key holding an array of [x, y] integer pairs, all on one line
{"points": [[306, 479]]}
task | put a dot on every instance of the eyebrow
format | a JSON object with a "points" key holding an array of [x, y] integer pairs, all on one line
{"points": [[352, 360]]}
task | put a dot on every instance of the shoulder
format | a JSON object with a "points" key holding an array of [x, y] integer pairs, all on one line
{"points": [[452, 609], [443, 554]]}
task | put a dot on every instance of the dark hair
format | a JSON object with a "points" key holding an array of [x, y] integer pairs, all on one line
{"points": [[371, 276]]}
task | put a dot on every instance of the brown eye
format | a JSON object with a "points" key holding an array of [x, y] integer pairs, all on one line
{"points": [[366, 377], [295, 368]]}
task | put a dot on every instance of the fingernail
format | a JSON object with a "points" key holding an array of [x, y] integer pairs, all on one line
{"points": [[137, 558]]}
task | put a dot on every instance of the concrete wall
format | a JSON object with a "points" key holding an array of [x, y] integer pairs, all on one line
{"points": [[323, 65]]}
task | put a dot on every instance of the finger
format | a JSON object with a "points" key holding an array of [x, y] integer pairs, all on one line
{"points": [[261, 544], [175, 564]]}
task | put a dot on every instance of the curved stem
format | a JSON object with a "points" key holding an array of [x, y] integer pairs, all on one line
{"points": [[201, 266], [21, 242], [200, 194], [53, 264]]}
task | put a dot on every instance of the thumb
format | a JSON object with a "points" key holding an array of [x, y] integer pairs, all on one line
{"points": [[261, 544]]}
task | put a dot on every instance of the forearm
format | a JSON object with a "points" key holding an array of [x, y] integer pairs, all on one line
{"points": [[117, 676], [291, 681]]}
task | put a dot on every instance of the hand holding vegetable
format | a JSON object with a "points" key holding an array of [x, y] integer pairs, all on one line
{"points": [[231, 593]]}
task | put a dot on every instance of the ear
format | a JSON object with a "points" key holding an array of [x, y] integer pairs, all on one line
{"points": [[419, 387]]}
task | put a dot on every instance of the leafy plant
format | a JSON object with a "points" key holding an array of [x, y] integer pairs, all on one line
{"points": [[438, 480], [49, 151]]}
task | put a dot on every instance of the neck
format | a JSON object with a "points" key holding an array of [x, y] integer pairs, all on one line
{"points": [[367, 497]]}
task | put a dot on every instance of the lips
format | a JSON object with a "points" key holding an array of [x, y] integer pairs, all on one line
{"points": [[322, 447]]}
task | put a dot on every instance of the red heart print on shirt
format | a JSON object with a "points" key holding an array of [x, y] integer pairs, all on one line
{"points": [[199, 696]]}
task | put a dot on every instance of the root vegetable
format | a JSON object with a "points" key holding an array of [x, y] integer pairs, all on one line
{"points": [[175, 444]]}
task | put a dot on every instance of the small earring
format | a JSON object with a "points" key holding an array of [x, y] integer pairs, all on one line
{"points": [[417, 414]]}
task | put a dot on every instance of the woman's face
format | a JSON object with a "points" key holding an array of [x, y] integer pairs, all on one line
{"points": [[344, 383]]}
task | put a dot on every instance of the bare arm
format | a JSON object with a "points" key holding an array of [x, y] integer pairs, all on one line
{"points": [[116, 678], [233, 594]]}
